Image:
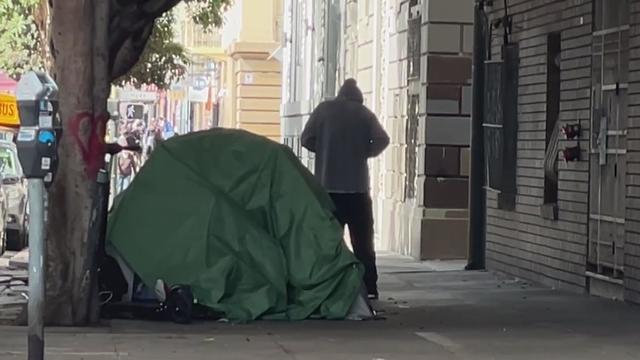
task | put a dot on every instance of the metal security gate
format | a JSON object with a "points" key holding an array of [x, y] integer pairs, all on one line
{"points": [[608, 161], [414, 52]]}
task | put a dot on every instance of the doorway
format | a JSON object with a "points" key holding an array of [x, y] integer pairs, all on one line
{"points": [[608, 160]]}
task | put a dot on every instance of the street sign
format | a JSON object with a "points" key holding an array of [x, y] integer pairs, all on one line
{"points": [[198, 96], [9, 111], [135, 111], [200, 83], [128, 95]]}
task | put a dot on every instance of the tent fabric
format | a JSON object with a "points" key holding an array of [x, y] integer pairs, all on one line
{"points": [[239, 219]]}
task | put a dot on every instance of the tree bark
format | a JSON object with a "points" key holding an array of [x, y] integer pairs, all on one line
{"points": [[81, 152], [41, 16], [89, 48], [101, 92]]}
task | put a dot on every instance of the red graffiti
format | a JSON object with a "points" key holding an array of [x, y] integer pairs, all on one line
{"points": [[88, 132]]}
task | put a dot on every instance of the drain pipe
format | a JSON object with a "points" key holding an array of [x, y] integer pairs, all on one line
{"points": [[477, 194]]}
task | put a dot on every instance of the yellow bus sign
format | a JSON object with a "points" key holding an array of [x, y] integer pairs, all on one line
{"points": [[9, 111]]}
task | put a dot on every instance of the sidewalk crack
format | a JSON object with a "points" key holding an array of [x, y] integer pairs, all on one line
{"points": [[288, 352]]}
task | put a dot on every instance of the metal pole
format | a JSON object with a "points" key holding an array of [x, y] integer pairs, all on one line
{"points": [[97, 233], [477, 196], [36, 270]]}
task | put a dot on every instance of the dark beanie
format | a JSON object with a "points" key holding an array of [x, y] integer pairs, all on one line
{"points": [[350, 91]]}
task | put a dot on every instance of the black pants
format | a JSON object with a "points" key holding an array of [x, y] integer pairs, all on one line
{"points": [[355, 211]]}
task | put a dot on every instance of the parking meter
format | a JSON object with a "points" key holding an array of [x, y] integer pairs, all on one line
{"points": [[40, 128], [37, 142]]}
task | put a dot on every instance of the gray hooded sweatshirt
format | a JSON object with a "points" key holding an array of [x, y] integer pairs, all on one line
{"points": [[344, 134]]}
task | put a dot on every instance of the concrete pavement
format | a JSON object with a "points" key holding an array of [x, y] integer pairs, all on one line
{"points": [[429, 314], [13, 290], [5, 258]]}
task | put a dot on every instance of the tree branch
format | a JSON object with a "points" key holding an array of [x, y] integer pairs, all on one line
{"points": [[128, 55], [131, 23]]}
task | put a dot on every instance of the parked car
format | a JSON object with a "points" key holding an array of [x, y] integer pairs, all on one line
{"points": [[14, 185]]}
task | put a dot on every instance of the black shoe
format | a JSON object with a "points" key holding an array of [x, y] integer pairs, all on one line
{"points": [[373, 296]]}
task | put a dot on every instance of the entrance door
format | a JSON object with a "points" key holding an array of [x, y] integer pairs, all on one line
{"points": [[608, 147]]}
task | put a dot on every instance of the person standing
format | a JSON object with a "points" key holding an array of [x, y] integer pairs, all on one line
{"points": [[344, 134], [167, 130], [126, 170], [149, 139]]}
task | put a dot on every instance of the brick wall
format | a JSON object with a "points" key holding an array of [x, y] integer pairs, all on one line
{"points": [[445, 109], [632, 243], [522, 242]]}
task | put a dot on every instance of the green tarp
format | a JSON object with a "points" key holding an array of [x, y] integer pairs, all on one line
{"points": [[240, 220]]}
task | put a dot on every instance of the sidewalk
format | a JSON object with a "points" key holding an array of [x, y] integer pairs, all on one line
{"points": [[13, 287], [430, 314]]}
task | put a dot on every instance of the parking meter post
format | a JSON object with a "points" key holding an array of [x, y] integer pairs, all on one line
{"points": [[37, 144], [36, 270]]}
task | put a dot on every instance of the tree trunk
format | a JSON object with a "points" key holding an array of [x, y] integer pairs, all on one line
{"points": [[81, 152], [42, 20], [101, 92]]}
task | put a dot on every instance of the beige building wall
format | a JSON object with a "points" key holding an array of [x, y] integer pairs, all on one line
{"points": [[204, 48], [252, 75], [420, 183], [412, 60]]}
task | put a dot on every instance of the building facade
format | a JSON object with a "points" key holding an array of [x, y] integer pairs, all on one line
{"points": [[412, 60], [568, 74], [194, 103], [559, 130], [310, 61], [251, 74]]}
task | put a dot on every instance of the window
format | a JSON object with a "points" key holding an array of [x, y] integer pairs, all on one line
{"points": [[278, 29], [501, 125], [552, 127], [414, 40], [412, 147], [493, 120], [507, 197], [610, 14], [334, 38]]}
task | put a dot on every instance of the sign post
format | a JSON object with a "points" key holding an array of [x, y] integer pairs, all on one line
{"points": [[37, 144]]}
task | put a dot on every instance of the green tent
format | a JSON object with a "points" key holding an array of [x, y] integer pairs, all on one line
{"points": [[238, 219]]}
